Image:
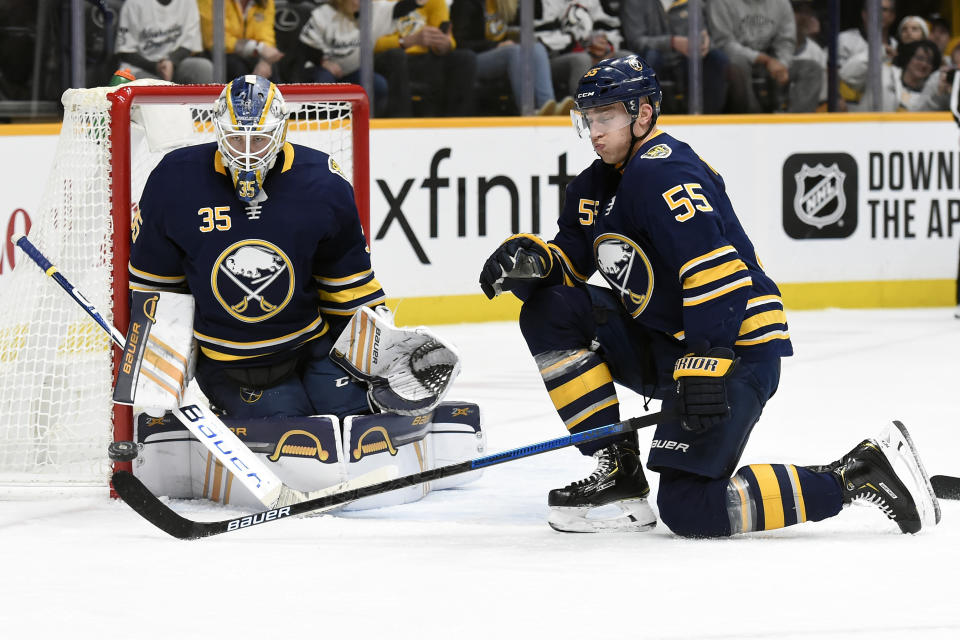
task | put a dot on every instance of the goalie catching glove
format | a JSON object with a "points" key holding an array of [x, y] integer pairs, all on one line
{"points": [[407, 371], [702, 388], [520, 257]]}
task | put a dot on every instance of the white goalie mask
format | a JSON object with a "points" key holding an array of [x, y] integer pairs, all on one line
{"points": [[251, 126]]}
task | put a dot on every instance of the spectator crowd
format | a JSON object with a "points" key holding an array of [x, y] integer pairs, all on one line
{"points": [[462, 57]]}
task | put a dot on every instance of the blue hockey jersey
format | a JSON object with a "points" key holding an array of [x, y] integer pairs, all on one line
{"points": [[663, 234], [266, 277]]}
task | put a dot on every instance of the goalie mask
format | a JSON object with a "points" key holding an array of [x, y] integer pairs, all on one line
{"points": [[251, 126]]}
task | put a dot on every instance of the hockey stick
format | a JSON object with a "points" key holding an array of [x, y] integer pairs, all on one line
{"points": [[135, 494], [946, 487], [206, 427]]}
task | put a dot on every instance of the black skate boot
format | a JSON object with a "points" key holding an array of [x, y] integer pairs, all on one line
{"points": [[867, 473], [618, 480]]}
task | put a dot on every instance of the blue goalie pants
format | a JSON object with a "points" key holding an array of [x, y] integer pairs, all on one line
{"points": [[309, 383]]}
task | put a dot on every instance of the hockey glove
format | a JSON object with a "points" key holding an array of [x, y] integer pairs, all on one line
{"points": [[702, 388], [520, 257]]}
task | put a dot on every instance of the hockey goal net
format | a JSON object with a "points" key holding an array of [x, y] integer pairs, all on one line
{"points": [[56, 365]]}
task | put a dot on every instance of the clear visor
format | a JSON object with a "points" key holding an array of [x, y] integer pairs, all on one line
{"points": [[598, 120], [250, 147]]}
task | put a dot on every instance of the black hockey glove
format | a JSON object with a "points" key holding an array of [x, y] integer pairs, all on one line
{"points": [[520, 257], [702, 388]]}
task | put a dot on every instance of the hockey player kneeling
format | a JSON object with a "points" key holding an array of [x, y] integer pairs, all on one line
{"points": [[689, 317]]}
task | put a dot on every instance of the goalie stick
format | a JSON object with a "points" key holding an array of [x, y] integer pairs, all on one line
{"points": [[141, 500], [193, 414], [946, 487]]}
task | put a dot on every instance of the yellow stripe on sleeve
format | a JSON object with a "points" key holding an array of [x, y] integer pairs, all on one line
{"points": [[707, 256], [713, 274], [355, 293], [736, 284], [777, 316]]}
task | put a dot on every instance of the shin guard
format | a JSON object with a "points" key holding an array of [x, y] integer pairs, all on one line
{"points": [[581, 389]]}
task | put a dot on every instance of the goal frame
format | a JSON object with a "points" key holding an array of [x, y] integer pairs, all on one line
{"points": [[122, 100]]}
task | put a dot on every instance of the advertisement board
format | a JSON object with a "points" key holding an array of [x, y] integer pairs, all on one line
{"points": [[844, 210]]}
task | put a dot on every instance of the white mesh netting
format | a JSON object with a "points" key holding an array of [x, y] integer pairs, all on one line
{"points": [[56, 372]]}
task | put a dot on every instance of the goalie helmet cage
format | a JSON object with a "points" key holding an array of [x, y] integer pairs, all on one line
{"points": [[56, 365]]}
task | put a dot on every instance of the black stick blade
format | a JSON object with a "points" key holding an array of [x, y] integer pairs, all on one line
{"points": [[946, 487], [141, 500]]}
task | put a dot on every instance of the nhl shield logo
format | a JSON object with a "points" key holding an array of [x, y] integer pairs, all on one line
{"points": [[819, 200], [820, 195], [625, 266]]}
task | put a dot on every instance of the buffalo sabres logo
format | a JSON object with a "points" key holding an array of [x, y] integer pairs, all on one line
{"points": [[626, 267], [658, 151], [250, 396], [253, 280], [335, 168], [635, 64], [820, 200]]}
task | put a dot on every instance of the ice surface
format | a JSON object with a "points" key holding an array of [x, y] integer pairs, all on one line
{"points": [[480, 561]]}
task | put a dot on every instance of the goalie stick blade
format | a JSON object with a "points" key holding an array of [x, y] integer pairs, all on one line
{"points": [[946, 487]]}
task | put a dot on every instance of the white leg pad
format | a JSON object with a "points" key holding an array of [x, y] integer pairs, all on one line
{"points": [[303, 452], [310, 453]]}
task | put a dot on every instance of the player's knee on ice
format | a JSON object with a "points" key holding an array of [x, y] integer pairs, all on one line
{"points": [[693, 506]]}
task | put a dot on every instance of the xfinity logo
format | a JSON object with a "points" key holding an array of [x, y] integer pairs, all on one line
{"points": [[819, 195]]}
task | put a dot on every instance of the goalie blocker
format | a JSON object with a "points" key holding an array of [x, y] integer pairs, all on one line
{"points": [[312, 453], [159, 352]]}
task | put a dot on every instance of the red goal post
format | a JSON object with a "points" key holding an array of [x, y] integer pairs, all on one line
{"points": [[56, 372]]}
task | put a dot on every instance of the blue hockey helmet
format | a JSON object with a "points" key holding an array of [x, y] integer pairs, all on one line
{"points": [[250, 119], [625, 80]]}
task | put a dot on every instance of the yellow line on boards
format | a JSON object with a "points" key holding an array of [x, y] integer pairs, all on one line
{"points": [[884, 294], [48, 129]]}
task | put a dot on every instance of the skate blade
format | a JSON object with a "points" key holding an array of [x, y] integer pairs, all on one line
{"points": [[897, 445], [636, 516]]}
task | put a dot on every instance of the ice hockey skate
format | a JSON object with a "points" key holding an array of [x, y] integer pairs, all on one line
{"points": [[887, 473], [618, 480]]}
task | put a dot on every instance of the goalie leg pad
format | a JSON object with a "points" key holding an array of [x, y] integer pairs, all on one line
{"points": [[451, 434], [380, 439], [308, 453], [303, 452], [456, 435]]}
